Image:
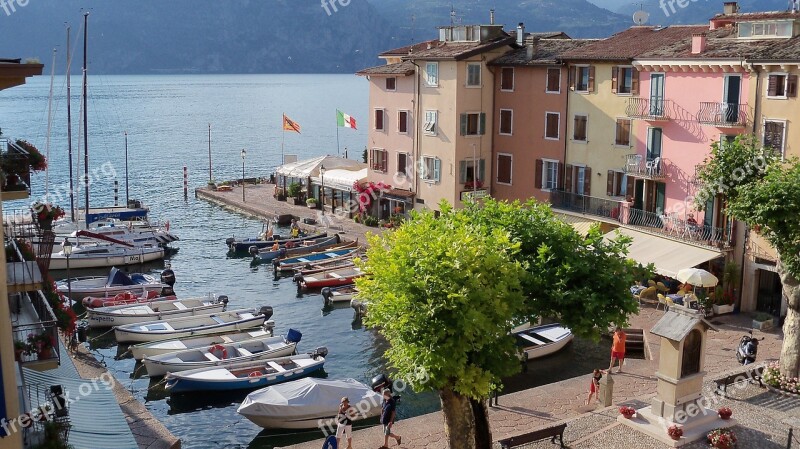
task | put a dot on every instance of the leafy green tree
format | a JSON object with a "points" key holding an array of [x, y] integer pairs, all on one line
{"points": [[445, 292]]}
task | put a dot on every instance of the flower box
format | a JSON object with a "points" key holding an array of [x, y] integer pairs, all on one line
{"points": [[722, 309], [725, 413], [627, 412], [762, 324]]}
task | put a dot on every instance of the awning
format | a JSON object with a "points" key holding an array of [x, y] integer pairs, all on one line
{"points": [[669, 256], [398, 195], [310, 167], [342, 179]]}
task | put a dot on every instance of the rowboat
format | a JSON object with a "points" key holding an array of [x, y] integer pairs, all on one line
{"points": [[116, 282], [159, 347], [308, 403], [331, 278], [288, 265], [307, 246], [243, 246], [222, 354], [234, 320], [248, 375], [540, 341], [332, 295], [92, 302], [155, 310], [318, 267]]}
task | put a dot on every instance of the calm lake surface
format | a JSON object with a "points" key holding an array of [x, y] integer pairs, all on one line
{"points": [[167, 120]]}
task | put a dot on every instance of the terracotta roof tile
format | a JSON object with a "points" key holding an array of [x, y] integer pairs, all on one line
{"points": [[787, 50], [633, 42], [747, 16], [548, 52], [403, 51], [720, 44], [460, 50], [405, 68]]}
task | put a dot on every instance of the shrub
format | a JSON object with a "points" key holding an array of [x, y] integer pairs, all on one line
{"points": [[772, 376], [294, 190], [722, 438]]}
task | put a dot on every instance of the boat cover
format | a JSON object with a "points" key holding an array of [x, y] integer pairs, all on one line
{"points": [[307, 397], [118, 277]]}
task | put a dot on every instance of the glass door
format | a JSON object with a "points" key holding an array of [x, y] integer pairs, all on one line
{"points": [[657, 94], [733, 88]]}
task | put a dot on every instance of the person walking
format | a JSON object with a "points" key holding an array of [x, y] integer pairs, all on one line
{"points": [[618, 349], [594, 387], [388, 414], [344, 420]]}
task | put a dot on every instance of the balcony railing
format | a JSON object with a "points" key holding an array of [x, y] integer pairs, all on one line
{"points": [[41, 340], [24, 274], [648, 109], [15, 172], [636, 165], [723, 115], [759, 254], [44, 404], [588, 205]]}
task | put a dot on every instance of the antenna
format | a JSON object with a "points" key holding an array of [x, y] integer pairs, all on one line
{"points": [[640, 17], [452, 14]]}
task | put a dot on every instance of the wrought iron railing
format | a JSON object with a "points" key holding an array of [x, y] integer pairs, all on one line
{"points": [[37, 342], [647, 108], [637, 165], [14, 167], [723, 114], [588, 205], [44, 405], [757, 252]]}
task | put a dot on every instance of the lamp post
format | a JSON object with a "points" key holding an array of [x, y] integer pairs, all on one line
{"points": [[244, 155], [322, 177], [66, 247]]}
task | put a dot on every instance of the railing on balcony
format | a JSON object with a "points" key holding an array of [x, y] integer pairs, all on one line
{"points": [[588, 205], [44, 404], [759, 254], [15, 171], [36, 342], [723, 114], [648, 109], [636, 165], [24, 273]]}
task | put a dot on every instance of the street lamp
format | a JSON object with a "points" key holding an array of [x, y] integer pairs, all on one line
{"points": [[66, 247], [322, 177], [244, 155]]}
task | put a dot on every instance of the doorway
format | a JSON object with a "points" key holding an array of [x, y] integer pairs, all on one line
{"points": [[770, 293]]}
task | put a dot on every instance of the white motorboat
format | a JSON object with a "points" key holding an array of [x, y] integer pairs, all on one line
{"points": [[308, 403], [134, 232], [540, 341], [230, 321], [156, 310], [222, 354], [99, 255], [159, 347], [115, 283], [336, 295]]}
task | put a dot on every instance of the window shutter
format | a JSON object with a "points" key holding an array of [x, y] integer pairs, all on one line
{"points": [[572, 75], [610, 183], [634, 82], [591, 78], [630, 186], [614, 78], [568, 178], [482, 127], [462, 171], [791, 86], [385, 158], [437, 169], [772, 87], [481, 169], [539, 179], [587, 181], [463, 124]]}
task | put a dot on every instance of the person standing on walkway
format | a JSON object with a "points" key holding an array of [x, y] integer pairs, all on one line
{"points": [[388, 414], [618, 349], [344, 421], [594, 387]]}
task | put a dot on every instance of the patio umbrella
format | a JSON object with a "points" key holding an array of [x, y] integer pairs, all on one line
{"points": [[697, 277]]}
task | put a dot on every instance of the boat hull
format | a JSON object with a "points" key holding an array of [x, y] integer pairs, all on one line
{"points": [[98, 318], [186, 384], [309, 422], [126, 334], [58, 262], [546, 340], [158, 368], [159, 347], [243, 246]]}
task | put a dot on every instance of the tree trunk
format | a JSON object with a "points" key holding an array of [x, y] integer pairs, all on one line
{"points": [[790, 352], [483, 432], [459, 421]]}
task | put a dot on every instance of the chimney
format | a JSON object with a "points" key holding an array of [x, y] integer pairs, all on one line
{"points": [[521, 34], [533, 48], [731, 8], [491, 17], [698, 43]]}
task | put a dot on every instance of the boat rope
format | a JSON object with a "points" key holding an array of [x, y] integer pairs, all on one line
{"points": [[157, 384], [122, 356], [102, 335]]}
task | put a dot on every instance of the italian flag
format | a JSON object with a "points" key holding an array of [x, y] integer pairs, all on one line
{"points": [[344, 120]]}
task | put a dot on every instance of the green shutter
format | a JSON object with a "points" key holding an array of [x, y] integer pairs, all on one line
{"points": [[482, 170], [462, 171], [463, 124], [482, 129]]}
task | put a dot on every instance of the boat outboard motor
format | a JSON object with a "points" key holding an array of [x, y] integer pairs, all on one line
{"points": [[230, 241], [321, 351], [266, 311], [381, 382], [253, 250], [327, 293], [168, 277], [297, 277], [224, 300], [167, 291]]}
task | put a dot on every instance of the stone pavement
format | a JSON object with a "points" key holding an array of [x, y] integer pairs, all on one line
{"points": [[527, 410]]}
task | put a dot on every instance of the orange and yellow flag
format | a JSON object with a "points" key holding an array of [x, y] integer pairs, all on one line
{"points": [[290, 125]]}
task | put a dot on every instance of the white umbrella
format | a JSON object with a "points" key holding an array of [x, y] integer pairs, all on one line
{"points": [[697, 277]]}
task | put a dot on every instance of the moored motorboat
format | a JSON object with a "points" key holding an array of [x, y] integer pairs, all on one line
{"points": [[243, 246], [306, 247], [230, 321], [92, 302], [289, 264], [343, 294], [540, 341], [308, 403], [222, 354], [110, 253], [116, 282], [154, 310], [158, 347], [249, 375], [318, 267], [330, 278]]}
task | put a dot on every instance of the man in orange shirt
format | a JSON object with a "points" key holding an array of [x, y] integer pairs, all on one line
{"points": [[618, 349]]}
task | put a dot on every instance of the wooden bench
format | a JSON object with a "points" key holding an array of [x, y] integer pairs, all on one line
{"points": [[722, 383], [548, 432]]}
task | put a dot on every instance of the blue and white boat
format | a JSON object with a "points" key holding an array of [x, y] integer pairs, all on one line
{"points": [[289, 265], [243, 246], [308, 246], [246, 376]]}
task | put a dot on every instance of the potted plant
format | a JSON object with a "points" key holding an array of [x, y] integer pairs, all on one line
{"points": [[627, 412], [36, 160], [42, 344], [722, 303], [311, 203], [675, 432], [46, 213], [20, 348], [725, 413], [722, 439], [294, 192], [762, 321]]}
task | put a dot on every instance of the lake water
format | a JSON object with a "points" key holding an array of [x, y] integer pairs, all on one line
{"points": [[167, 119]]}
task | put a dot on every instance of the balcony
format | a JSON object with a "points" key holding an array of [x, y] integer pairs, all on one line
{"points": [[587, 205], [15, 172], [36, 345], [48, 410], [653, 110], [636, 165], [723, 115]]}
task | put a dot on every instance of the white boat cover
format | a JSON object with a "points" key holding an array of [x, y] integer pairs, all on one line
{"points": [[307, 397]]}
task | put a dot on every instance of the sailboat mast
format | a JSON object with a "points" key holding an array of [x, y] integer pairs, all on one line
{"points": [[127, 193], [49, 125], [69, 129], [85, 115]]}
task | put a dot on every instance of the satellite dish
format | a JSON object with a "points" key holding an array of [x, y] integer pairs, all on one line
{"points": [[640, 17]]}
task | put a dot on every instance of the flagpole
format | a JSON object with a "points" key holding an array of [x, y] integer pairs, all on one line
{"points": [[337, 132]]}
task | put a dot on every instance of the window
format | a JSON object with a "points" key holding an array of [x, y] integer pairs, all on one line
{"points": [[617, 183], [403, 163], [774, 136], [507, 78], [432, 74], [379, 115], [580, 180], [552, 125], [547, 174], [474, 74], [473, 124], [467, 172], [623, 135], [553, 81], [624, 80], [582, 79], [391, 83], [431, 169], [402, 122], [379, 159], [506, 121], [430, 123], [781, 85], [579, 132], [504, 164], [654, 140]]}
